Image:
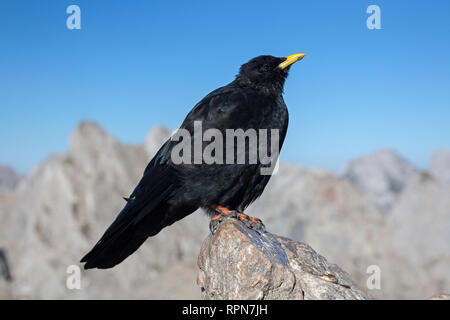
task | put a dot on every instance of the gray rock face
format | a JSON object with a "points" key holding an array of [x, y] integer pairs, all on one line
{"points": [[440, 166], [65, 205], [58, 212], [239, 263], [8, 178], [381, 176]]}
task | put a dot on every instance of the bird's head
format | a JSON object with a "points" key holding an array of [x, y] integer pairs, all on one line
{"points": [[267, 73]]}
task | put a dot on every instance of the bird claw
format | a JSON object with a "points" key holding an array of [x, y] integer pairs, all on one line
{"points": [[214, 224], [249, 222], [215, 221]]}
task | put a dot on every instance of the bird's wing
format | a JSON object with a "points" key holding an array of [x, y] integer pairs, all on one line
{"points": [[154, 187], [223, 108]]}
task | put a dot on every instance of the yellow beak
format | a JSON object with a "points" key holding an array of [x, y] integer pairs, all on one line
{"points": [[291, 59]]}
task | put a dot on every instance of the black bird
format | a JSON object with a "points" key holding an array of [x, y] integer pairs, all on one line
{"points": [[169, 192]]}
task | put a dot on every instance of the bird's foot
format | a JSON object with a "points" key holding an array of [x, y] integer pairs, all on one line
{"points": [[250, 222], [222, 214]]}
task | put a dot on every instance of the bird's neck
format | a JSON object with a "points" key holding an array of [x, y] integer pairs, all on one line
{"points": [[269, 89]]}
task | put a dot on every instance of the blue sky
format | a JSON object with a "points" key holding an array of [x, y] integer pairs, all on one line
{"points": [[135, 64]]}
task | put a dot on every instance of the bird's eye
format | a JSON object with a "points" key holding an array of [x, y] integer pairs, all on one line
{"points": [[265, 68]]}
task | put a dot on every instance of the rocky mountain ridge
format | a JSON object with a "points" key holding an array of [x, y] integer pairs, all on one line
{"points": [[58, 211]]}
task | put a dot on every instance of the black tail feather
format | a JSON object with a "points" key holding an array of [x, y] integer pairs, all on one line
{"points": [[107, 254], [142, 216]]}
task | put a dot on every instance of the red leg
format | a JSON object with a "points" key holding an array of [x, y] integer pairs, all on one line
{"points": [[250, 222]]}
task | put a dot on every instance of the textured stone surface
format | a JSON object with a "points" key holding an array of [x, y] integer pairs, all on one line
{"points": [[240, 263]]}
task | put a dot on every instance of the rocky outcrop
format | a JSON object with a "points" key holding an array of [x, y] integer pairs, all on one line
{"points": [[8, 178], [381, 176], [328, 213], [440, 166], [240, 263], [63, 206]]}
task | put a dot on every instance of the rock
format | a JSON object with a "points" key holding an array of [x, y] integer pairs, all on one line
{"points": [[381, 176], [240, 263], [439, 166], [328, 213], [8, 178]]}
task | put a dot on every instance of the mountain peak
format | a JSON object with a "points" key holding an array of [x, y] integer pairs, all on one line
{"points": [[381, 176], [89, 132]]}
